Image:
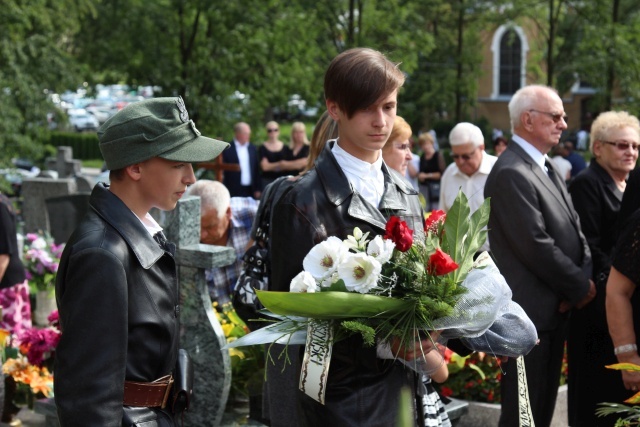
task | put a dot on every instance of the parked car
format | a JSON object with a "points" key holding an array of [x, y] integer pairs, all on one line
{"points": [[13, 176], [81, 120]]}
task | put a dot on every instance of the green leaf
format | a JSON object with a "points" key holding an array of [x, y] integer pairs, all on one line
{"points": [[464, 234], [331, 305]]}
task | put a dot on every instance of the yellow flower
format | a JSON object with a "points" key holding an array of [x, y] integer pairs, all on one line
{"points": [[236, 352], [4, 334], [227, 328]]}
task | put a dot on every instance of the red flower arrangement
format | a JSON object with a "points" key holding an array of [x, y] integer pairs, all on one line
{"points": [[399, 233]]}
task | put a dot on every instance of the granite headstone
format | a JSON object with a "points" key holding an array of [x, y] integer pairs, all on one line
{"points": [[201, 333]]}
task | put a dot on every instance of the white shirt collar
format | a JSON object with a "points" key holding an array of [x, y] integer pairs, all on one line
{"points": [[366, 178], [150, 224], [532, 151]]}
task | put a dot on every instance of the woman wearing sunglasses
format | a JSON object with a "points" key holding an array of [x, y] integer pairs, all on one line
{"points": [[271, 154], [597, 194]]}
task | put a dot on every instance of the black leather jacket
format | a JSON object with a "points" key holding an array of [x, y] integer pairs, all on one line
{"points": [[362, 390], [117, 295]]}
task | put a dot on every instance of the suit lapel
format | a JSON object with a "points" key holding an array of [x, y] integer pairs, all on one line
{"points": [[545, 180]]}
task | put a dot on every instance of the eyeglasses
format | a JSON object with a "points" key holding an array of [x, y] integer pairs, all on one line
{"points": [[464, 157], [623, 145], [402, 147], [272, 130], [556, 117]]}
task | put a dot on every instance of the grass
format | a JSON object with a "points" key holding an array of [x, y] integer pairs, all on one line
{"points": [[93, 163]]}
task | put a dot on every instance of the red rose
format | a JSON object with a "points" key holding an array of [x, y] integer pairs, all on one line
{"points": [[434, 219], [399, 233], [441, 263], [446, 391]]}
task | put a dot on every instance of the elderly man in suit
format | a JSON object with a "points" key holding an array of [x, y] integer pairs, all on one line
{"points": [[536, 239], [247, 182]]}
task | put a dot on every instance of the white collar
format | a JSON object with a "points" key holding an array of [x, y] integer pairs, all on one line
{"points": [[532, 151], [150, 224], [354, 165]]}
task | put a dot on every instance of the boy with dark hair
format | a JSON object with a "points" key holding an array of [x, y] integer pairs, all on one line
{"points": [[349, 187]]}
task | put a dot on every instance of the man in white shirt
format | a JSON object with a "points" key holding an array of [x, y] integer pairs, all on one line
{"points": [[247, 182], [470, 169]]}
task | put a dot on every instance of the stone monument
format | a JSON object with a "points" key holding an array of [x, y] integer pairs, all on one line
{"points": [[201, 334]]}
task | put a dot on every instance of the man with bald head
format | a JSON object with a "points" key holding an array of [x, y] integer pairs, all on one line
{"points": [[536, 239]]}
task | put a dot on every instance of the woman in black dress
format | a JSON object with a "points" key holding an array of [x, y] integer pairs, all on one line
{"points": [[623, 303], [432, 166], [271, 154], [597, 194], [298, 152]]}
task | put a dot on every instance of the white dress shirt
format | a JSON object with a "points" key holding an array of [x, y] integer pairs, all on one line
{"points": [[365, 178], [472, 186], [243, 159]]}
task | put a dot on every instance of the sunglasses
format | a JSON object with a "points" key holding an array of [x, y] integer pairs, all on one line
{"points": [[464, 157], [556, 117], [272, 130], [623, 145]]}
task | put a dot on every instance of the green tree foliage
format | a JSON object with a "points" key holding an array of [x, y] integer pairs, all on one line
{"points": [[243, 59], [606, 52], [35, 59], [444, 84]]}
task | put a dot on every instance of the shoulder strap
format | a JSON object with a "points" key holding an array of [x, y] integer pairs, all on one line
{"points": [[260, 232]]}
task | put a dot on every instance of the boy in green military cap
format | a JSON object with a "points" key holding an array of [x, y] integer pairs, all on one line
{"points": [[116, 288]]}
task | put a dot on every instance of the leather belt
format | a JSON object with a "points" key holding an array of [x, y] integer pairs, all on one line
{"points": [[153, 394]]}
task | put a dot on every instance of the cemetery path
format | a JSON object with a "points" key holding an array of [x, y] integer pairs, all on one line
{"points": [[29, 419]]}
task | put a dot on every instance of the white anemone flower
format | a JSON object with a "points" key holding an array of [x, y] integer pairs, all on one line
{"points": [[39, 243], [360, 272], [381, 249], [323, 259], [303, 282]]}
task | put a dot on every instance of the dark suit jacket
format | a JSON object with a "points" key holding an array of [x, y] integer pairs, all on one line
{"points": [[231, 179], [535, 237]]}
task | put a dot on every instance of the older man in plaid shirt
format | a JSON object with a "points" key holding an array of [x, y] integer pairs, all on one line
{"points": [[225, 221]]}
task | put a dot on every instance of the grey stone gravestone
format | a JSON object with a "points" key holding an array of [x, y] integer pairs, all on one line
{"points": [[64, 163], [34, 193], [65, 212], [85, 183], [201, 334]]}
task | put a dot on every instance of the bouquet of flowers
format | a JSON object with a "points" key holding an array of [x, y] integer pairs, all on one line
{"points": [[41, 260], [388, 288], [28, 359]]}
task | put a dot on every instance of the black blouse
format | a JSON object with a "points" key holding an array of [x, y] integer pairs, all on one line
{"points": [[303, 153], [273, 157], [597, 200], [9, 245]]}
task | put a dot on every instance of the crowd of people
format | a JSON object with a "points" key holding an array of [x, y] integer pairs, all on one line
{"points": [[565, 238]]}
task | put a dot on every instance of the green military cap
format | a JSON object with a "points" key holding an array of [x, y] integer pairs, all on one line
{"points": [[156, 127]]}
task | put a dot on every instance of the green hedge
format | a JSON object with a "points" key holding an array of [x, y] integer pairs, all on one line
{"points": [[84, 144]]}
